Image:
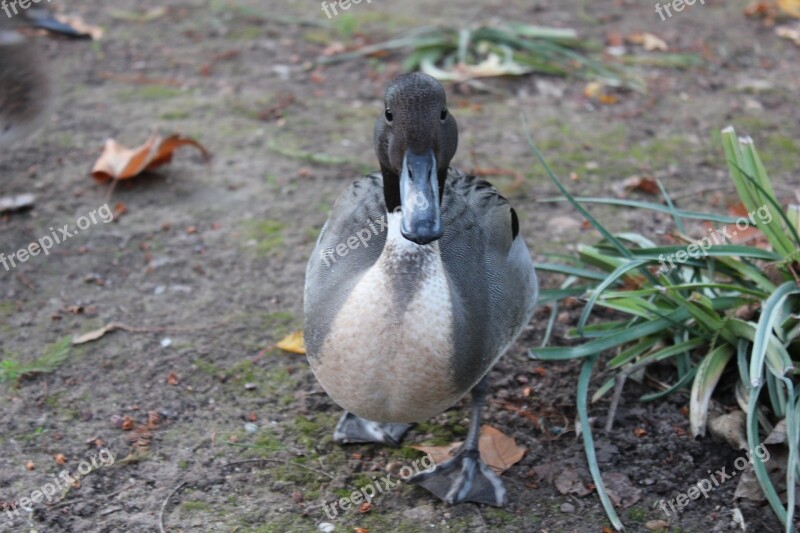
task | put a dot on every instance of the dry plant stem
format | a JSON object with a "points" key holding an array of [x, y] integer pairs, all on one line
{"points": [[164, 506]]}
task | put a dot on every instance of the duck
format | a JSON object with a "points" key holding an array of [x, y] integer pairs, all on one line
{"points": [[25, 95], [418, 283]]}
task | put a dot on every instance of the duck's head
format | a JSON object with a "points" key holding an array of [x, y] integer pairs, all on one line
{"points": [[415, 139]]}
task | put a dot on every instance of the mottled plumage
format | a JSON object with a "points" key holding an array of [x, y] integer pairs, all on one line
{"points": [[418, 283]]}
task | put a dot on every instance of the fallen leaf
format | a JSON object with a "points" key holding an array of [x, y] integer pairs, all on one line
{"points": [[118, 162], [640, 432], [172, 379], [439, 454], [730, 427], [360, 530], [60, 459], [649, 41], [643, 184], [365, 508], [568, 482], [498, 451], [790, 7], [293, 343], [657, 525], [95, 334], [30, 465], [622, 492], [778, 435]]}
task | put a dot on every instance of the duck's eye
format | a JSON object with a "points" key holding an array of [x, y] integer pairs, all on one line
{"points": [[444, 113], [388, 115]]}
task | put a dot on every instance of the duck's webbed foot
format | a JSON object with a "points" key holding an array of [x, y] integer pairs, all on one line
{"points": [[464, 478], [352, 429]]}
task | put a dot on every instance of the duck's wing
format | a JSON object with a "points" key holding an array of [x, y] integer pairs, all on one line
{"points": [[348, 245], [490, 270]]}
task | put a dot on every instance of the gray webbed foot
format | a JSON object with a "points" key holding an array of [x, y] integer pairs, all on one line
{"points": [[464, 478], [352, 429]]}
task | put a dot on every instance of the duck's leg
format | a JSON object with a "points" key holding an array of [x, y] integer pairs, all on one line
{"points": [[465, 478], [352, 429]]}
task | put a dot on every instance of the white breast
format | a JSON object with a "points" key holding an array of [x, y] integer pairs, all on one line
{"points": [[388, 364]]}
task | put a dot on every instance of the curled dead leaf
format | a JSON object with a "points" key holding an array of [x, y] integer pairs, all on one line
{"points": [[118, 162]]}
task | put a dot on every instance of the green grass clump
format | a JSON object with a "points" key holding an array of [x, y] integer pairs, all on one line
{"points": [[697, 310], [12, 369]]}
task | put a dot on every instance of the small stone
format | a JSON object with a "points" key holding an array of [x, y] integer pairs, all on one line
{"points": [[326, 527], [250, 386], [166, 342], [567, 508], [250, 427]]}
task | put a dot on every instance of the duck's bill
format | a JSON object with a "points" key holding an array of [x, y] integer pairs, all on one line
{"points": [[419, 198]]}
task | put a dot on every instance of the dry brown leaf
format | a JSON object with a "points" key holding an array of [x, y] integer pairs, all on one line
{"points": [[649, 41], [499, 451], [118, 162], [293, 343], [439, 454], [644, 184], [172, 379], [731, 428], [622, 492], [60, 459], [568, 482], [94, 335]]}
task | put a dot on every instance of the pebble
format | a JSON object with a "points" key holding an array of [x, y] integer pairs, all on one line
{"points": [[567, 508], [166, 342], [250, 427], [326, 527]]}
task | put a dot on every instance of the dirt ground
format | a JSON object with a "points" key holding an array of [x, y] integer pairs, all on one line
{"points": [[206, 266]]}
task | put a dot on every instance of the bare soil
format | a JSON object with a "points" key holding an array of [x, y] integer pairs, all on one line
{"points": [[208, 263]]}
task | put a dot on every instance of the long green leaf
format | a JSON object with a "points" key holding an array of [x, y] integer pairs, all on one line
{"points": [[705, 381]]}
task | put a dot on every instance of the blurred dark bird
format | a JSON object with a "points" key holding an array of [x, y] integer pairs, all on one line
{"points": [[24, 85], [25, 93]]}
